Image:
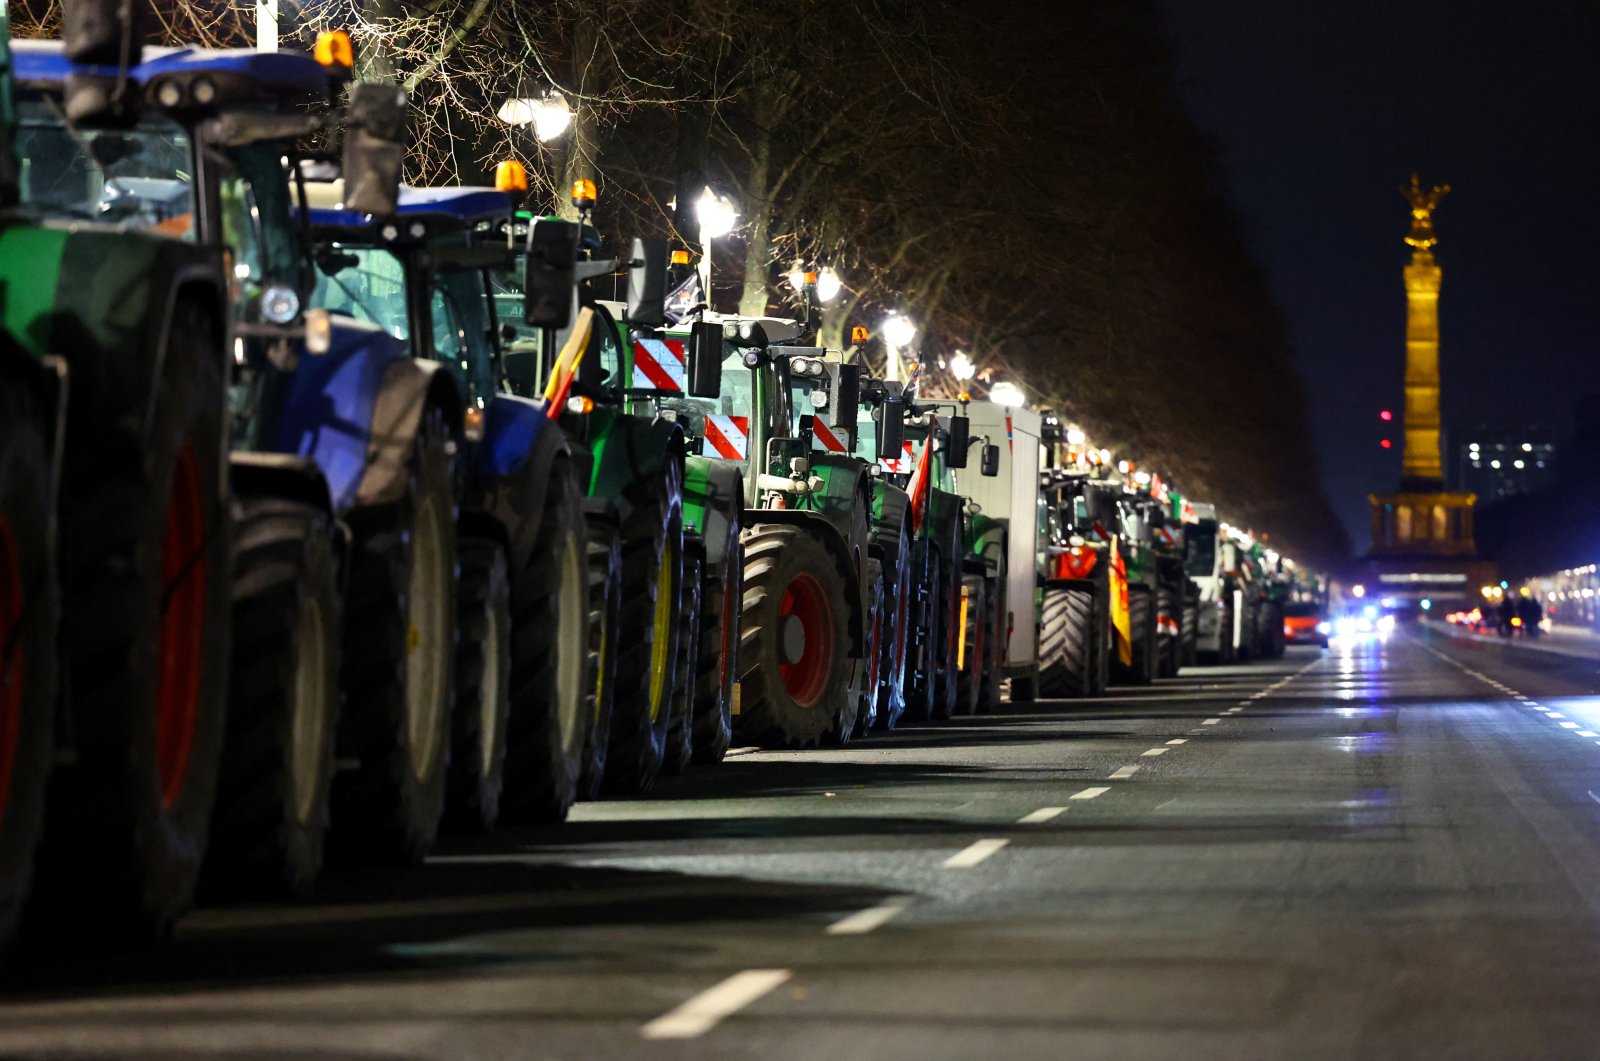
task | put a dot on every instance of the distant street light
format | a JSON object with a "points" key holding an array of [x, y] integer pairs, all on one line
{"points": [[961, 367], [1007, 393], [716, 217], [828, 285], [898, 333], [549, 114], [1076, 437]]}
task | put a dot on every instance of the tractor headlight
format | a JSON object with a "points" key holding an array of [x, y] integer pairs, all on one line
{"points": [[279, 304], [819, 399], [169, 93], [806, 366], [203, 91], [319, 331]]}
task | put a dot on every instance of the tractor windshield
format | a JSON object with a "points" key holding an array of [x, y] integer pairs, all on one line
{"points": [[139, 177], [722, 425], [367, 283], [1200, 550]]}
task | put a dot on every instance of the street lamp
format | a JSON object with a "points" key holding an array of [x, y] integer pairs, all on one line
{"points": [[1076, 437], [961, 367], [828, 285], [549, 114], [898, 333], [716, 217], [1007, 393]]}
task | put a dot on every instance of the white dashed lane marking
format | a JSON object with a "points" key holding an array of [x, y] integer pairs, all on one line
{"points": [[1153, 752], [1179, 740], [1122, 773], [1043, 814], [864, 921], [974, 853], [1090, 793], [708, 1009], [1211, 722]]}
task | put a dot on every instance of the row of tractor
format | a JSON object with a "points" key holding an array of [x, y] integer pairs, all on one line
{"points": [[337, 514]]}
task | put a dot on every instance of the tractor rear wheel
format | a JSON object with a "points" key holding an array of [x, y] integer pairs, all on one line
{"points": [[1067, 643], [30, 607], [605, 618], [271, 817], [483, 688], [719, 642], [647, 636], [146, 548], [399, 650], [1169, 617], [550, 679], [869, 669], [680, 730], [794, 658], [1189, 633], [897, 633], [1142, 627], [948, 626]]}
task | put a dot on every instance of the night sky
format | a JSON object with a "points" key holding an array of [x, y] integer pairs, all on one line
{"points": [[1320, 111]]}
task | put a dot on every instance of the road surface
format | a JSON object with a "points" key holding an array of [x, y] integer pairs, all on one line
{"points": [[1384, 850]]}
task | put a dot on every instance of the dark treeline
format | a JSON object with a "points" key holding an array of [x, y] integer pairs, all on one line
{"points": [[1018, 178]]}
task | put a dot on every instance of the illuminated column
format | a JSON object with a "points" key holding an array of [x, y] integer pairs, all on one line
{"points": [[1421, 465]]}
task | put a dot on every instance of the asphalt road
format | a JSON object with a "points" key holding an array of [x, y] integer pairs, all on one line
{"points": [[1389, 850]]}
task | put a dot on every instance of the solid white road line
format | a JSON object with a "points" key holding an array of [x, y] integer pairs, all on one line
{"points": [[1179, 740], [1100, 790], [1043, 814], [1122, 773], [864, 921], [1153, 752], [976, 852], [707, 1009]]}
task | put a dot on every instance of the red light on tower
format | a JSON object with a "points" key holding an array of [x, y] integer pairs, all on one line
{"points": [[1386, 444], [1386, 416]]}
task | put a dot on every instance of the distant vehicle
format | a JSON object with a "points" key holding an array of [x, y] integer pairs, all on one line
{"points": [[1305, 624], [1363, 623]]}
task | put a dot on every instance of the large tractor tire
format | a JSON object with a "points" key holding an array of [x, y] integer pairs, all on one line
{"points": [[997, 633], [1189, 633], [1142, 625], [897, 634], [922, 634], [1068, 643], [647, 636], [483, 688], [146, 553], [794, 653], [30, 608], [870, 670], [399, 651], [975, 623], [680, 729], [947, 614], [719, 643], [551, 684], [605, 619], [271, 817], [1169, 619]]}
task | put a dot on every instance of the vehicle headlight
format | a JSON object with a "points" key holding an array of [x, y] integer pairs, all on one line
{"points": [[319, 331], [1324, 628], [806, 366], [819, 399], [279, 304]]}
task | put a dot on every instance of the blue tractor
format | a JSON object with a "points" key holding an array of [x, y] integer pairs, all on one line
{"points": [[525, 714]]}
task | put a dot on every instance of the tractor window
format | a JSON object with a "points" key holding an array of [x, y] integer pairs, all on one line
{"points": [[461, 331], [1200, 550], [241, 241], [369, 285], [139, 177]]}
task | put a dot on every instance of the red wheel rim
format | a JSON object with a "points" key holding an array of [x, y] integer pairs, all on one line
{"points": [[11, 659], [183, 594], [805, 640]]}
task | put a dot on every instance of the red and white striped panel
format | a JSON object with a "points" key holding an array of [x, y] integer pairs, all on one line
{"points": [[900, 465], [726, 437], [829, 439], [1166, 535], [658, 364]]}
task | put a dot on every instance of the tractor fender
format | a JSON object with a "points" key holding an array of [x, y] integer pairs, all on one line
{"points": [[891, 512], [508, 475], [629, 453], [263, 475], [408, 387], [989, 542], [713, 497], [199, 283], [46, 378], [824, 531]]}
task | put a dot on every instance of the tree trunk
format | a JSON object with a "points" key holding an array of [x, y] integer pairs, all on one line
{"points": [[758, 241]]}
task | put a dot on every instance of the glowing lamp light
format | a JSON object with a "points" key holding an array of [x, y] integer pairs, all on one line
{"points": [[1006, 393], [550, 114], [510, 176], [1124, 467], [1142, 478], [898, 330], [961, 366], [1386, 444], [1076, 437], [1386, 416], [333, 48], [716, 215], [680, 257], [859, 334], [584, 193], [828, 285], [1105, 456], [1358, 590]]}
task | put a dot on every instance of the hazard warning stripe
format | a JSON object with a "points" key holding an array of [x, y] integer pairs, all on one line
{"points": [[823, 438], [658, 365], [727, 437], [899, 465]]}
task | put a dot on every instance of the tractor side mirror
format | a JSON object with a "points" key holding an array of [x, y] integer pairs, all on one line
{"points": [[549, 273], [955, 450], [647, 284], [102, 33], [705, 358], [375, 148], [846, 395], [891, 427], [990, 462]]}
